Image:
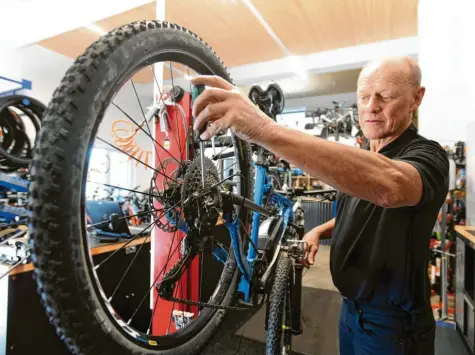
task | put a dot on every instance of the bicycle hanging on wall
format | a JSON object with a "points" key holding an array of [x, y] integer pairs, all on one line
{"points": [[260, 257]]}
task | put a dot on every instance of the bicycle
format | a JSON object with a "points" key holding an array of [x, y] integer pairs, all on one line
{"points": [[335, 123], [259, 258]]}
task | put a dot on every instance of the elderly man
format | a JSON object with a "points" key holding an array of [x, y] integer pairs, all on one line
{"points": [[388, 198]]}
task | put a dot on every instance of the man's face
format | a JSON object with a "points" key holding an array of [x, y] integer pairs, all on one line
{"points": [[386, 99]]}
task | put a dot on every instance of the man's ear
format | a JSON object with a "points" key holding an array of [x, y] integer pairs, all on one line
{"points": [[418, 96]]}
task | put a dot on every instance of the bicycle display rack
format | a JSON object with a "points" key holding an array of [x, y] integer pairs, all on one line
{"points": [[12, 86], [14, 246]]}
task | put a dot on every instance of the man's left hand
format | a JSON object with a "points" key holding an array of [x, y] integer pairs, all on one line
{"points": [[223, 105]]}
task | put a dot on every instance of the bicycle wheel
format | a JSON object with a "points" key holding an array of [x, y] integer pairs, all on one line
{"points": [[279, 327], [77, 298]]}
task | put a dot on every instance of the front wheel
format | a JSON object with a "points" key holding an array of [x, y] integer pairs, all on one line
{"points": [[102, 105], [279, 323]]}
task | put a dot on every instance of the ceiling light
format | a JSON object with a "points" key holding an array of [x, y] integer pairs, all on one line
{"points": [[95, 28], [295, 65]]}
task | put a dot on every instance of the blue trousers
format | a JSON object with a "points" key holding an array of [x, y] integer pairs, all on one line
{"points": [[365, 330]]}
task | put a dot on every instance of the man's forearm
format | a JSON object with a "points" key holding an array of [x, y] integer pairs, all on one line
{"points": [[357, 172], [326, 229]]}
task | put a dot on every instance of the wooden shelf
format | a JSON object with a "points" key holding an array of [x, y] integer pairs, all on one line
{"points": [[464, 232], [95, 251]]}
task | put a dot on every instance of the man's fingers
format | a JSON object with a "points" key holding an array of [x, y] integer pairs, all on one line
{"points": [[311, 254], [218, 126], [212, 111], [210, 95], [212, 80]]}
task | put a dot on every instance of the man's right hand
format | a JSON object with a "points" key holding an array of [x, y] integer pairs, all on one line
{"points": [[312, 238]]}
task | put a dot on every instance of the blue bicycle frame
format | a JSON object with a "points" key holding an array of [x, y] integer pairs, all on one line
{"points": [[246, 262]]}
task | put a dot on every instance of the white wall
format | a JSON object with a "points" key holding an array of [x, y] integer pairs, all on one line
{"points": [[446, 57], [44, 68]]}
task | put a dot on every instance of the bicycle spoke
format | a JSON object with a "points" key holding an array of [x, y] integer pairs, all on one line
{"points": [[148, 127], [145, 164], [125, 217], [127, 270], [135, 236], [230, 166], [151, 318], [225, 179], [224, 147], [123, 188], [170, 254], [147, 133]]}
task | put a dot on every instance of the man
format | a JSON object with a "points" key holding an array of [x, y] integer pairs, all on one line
{"points": [[388, 199]]}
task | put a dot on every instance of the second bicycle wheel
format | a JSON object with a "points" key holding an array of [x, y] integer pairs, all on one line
{"points": [[279, 322], [100, 106]]}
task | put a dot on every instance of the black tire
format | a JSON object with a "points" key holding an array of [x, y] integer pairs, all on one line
{"points": [[57, 192], [20, 155], [279, 306]]}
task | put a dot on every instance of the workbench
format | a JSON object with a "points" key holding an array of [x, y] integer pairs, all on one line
{"points": [[465, 285], [24, 326]]}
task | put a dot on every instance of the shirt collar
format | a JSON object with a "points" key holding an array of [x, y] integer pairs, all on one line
{"points": [[405, 136]]}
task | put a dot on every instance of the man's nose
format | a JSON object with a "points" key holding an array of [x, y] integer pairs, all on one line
{"points": [[373, 105]]}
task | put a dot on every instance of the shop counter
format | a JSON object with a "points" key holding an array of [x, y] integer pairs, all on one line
{"points": [[465, 285]]}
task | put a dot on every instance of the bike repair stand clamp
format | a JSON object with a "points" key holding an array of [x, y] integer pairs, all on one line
{"points": [[197, 91]]}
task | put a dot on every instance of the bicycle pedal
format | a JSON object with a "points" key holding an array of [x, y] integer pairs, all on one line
{"points": [[241, 302], [244, 304]]}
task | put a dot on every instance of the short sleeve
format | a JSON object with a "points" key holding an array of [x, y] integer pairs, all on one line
{"points": [[432, 163]]}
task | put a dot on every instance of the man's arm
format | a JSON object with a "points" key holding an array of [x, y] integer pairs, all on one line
{"points": [[366, 175], [360, 173], [324, 230]]}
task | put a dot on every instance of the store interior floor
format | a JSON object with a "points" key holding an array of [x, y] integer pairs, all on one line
{"points": [[243, 331]]}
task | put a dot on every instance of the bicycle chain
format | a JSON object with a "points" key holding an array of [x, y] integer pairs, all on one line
{"points": [[210, 305]]}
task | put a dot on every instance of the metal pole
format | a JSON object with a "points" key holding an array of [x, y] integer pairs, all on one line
{"points": [[443, 265]]}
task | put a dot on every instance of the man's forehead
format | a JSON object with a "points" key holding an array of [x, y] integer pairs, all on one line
{"points": [[391, 71]]}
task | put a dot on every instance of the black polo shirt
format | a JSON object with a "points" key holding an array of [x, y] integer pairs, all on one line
{"points": [[381, 255]]}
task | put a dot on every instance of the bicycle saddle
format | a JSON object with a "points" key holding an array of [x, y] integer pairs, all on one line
{"points": [[271, 101]]}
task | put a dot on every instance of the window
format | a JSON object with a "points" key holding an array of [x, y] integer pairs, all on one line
{"points": [[98, 174], [120, 173]]}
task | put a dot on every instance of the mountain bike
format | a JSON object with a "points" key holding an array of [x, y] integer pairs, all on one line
{"points": [[257, 258]]}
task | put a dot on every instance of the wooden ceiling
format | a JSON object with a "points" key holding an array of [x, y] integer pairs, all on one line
{"points": [[303, 26]]}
